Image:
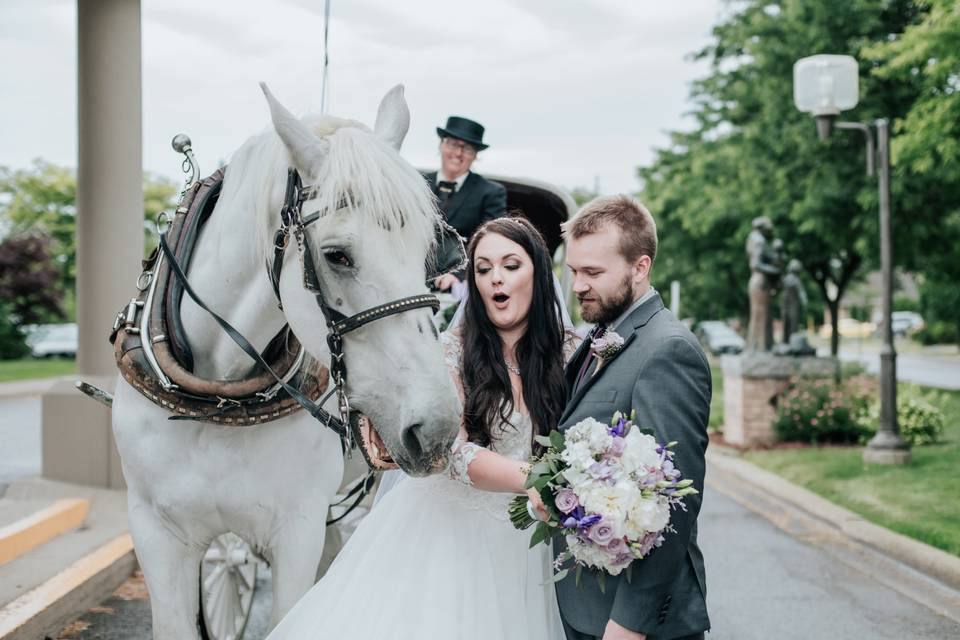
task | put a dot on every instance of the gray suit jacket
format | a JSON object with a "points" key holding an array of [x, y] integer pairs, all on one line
{"points": [[663, 375]]}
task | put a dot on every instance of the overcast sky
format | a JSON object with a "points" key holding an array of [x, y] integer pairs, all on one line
{"points": [[571, 91]]}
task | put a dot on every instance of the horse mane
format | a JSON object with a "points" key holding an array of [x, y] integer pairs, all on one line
{"points": [[360, 169]]}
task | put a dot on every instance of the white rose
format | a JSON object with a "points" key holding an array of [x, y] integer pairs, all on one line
{"points": [[611, 502], [599, 438], [640, 451], [582, 430], [577, 454], [649, 515]]}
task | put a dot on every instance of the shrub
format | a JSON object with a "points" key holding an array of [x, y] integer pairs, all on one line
{"points": [[938, 332], [12, 341], [819, 410], [919, 416]]}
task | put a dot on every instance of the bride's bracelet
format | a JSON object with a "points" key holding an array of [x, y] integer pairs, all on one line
{"points": [[531, 512]]}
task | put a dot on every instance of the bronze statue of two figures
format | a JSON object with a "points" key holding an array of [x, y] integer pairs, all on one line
{"points": [[770, 275]]}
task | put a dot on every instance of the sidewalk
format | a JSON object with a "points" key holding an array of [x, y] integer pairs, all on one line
{"points": [[50, 583], [922, 573], [31, 387]]}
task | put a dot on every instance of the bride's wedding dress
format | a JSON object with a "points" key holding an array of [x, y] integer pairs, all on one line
{"points": [[436, 559]]}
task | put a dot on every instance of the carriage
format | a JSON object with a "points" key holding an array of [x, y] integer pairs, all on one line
{"points": [[170, 515]]}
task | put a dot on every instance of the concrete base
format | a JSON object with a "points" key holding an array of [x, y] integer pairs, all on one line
{"points": [[77, 436], [886, 456], [752, 384]]}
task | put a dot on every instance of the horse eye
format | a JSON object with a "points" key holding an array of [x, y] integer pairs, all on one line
{"points": [[337, 257]]}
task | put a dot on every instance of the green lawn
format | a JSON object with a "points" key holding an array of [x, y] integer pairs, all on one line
{"points": [[921, 500], [716, 401], [35, 368]]}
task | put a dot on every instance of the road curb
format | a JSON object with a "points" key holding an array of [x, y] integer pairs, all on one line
{"points": [[926, 559], [48, 607], [30, 387], [33, 530]]}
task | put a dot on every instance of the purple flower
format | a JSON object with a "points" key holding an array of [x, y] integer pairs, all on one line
{"points": [[566, 501], [617, 546], [601, 533], [588, 521], [619, 429], [600, 470], [649, 542], [608, 345], [570, 523], [617, 447]]}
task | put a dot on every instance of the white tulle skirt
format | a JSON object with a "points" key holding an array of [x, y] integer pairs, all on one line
{"points": [[434, 559]]}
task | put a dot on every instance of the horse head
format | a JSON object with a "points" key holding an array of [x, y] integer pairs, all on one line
{"points": [[376, 224]]}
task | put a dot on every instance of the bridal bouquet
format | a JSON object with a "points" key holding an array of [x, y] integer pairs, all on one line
{"points": [[609, 491]]}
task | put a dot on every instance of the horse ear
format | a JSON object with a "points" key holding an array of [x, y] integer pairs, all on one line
{"points": [[393, 118], [308, 150]]}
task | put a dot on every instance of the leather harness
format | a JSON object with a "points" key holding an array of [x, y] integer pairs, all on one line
{"points": [[153, 354], [162, 371]]}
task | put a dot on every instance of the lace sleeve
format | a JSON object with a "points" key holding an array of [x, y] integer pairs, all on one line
{"points": [[571, 342], [463, 454], [452, 355]]}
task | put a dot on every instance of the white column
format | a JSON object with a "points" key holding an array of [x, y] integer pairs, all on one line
{"points": [[77, 439], [109, 173]]}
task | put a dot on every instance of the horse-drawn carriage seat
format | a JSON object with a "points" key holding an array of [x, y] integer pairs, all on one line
{"points": [[163, 371]]}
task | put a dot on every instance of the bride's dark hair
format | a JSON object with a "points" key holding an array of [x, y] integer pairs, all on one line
{"points": [[488, 398]]}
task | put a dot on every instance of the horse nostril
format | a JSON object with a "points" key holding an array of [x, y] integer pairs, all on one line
{"points": [[410, 437]]}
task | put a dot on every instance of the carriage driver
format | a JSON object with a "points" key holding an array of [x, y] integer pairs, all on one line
{"points": [[466, 199]]}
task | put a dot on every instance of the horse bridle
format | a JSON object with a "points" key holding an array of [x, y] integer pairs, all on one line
{"points": [[293, 224]]}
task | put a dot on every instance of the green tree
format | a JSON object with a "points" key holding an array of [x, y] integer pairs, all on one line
{"points": [[926, 152], [29, 279], [42, 199], [754, 154]]}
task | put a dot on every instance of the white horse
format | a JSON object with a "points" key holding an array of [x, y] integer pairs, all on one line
{"points": [[272, 484]]}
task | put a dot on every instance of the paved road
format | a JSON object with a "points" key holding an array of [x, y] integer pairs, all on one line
{"points": [[933, 371], [19, 439], [763, 583]]}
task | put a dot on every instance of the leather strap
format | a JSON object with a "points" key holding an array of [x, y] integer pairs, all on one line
{"points": [[313, 409]]}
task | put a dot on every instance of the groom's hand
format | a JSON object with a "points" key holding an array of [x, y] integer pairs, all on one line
{"points": [[615, 632], [538, 505]]}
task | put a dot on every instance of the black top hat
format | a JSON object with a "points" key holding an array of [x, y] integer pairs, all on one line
{"points": [[463, 129]]}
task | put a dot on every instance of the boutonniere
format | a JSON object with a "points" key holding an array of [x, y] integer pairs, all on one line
{"points": [[607, 345]]}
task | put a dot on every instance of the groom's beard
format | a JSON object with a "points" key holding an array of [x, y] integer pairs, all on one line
{"points": [[608, 310]]}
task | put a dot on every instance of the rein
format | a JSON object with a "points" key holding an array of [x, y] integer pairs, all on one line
{"points": [[293, 224]]}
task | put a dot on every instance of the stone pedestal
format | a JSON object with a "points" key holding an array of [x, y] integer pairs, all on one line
{"points": [[77, 436], [752, 384]]}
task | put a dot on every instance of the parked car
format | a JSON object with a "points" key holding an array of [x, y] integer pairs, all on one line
{"points": [[49, 340], [850, 328], [904, 322], [719, 338]]}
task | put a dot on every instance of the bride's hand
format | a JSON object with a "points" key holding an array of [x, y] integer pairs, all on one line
{"points": [[538, 505]]}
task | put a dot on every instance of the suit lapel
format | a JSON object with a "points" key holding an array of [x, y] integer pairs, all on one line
{"points": [[636, 320], [589, 380], [573, 366]]}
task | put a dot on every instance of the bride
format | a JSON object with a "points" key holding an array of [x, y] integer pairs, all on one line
{"points": [[437, 557]]}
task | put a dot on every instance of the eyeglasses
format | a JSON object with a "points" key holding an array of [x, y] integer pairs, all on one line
{"points": [[459, 145]]}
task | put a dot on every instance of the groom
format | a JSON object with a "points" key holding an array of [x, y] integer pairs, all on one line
{"points": [[663, 375]]}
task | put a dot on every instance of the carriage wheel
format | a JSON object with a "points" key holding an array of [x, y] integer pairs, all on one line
{"points": [[228, 576]]}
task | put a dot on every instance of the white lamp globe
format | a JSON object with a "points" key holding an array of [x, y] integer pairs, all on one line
{"points": [[825, 85]]}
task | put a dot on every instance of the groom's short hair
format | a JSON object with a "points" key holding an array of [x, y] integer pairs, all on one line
{"points": [[638, 230]]}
